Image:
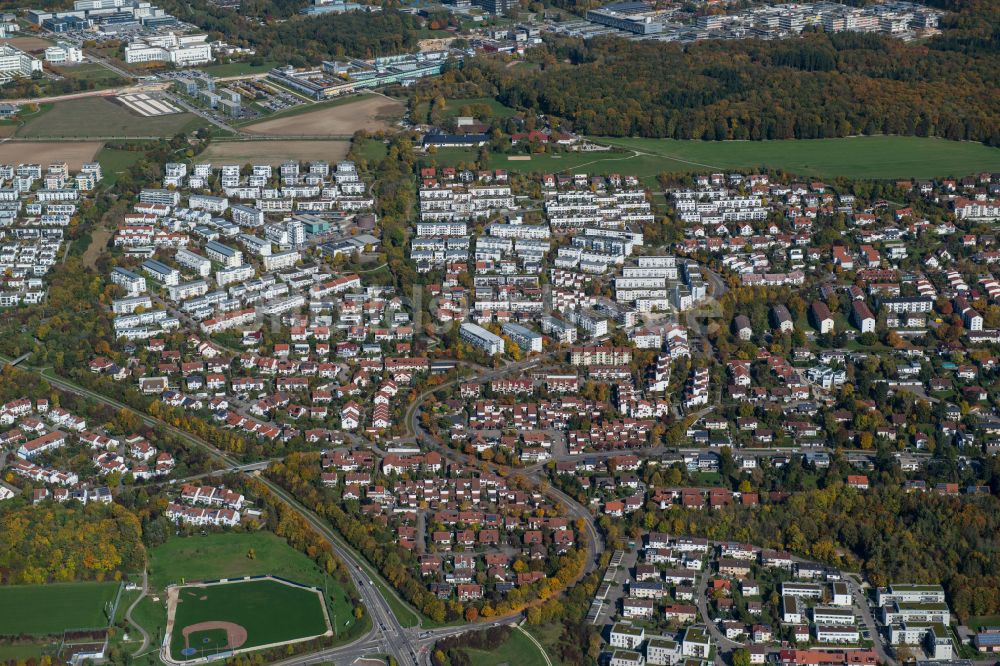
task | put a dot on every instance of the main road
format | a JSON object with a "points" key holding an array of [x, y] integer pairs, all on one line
{"points": [[386, 630]]}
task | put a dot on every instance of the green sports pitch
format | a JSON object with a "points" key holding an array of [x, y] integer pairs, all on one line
{"points": [[41, 610], [242, 615]]}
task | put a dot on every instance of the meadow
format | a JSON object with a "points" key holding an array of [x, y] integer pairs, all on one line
{"points": [[875, 157], [518, 649], [100, 117], [52, 608], [226, 555]]}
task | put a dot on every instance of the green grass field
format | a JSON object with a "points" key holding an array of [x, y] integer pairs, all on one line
{"points": [[271, 612], [20, 651], [224, 555], [114, 162], [978, 622], [858, 157], [96, 116], [373, 150], [50, 609], [90, 71], [878, 157], [239, 68], [453, 107], [518, 649]]}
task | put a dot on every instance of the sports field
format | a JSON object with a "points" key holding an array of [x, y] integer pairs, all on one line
{"points": [[877, 157], [53, 608], [100, 117], [225, 555], [243, 615]]}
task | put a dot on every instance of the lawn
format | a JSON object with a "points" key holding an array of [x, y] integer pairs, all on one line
{"points": [[518, 649], [238, 68], [91, 71], [977, 622], [20, 651], [373, 150], [224, 555], [114, 162], [888, 157], [858, 157], [53, 608], [269, 611], [99, 117], [453, 107]]}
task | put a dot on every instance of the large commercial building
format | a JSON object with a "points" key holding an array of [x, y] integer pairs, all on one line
{"points": [[179, 50], [337, 78], [627, 16], [17, 63]]}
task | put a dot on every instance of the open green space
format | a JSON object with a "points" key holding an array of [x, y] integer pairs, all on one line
{"points": [[90, 71], [373, 150], [978, 622], [269, 611], [878, 157], [114, 162], [857, 157], [518, 649], [100, 117], [20, 651], [453, 107], [53, 608], [226, 555], [239, 68]]}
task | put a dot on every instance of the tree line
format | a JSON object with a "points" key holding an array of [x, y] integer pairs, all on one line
{"points": [[68, 542], [891, 535], [813, 86], [304, 40]]}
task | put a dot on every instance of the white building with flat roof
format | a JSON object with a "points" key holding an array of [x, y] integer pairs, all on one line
{"points": [[17, 63], [479, 337]]}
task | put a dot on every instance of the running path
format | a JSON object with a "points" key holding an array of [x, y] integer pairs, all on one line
{"points": [[133, 623]]}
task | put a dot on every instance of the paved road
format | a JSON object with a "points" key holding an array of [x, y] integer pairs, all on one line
{"points": [[107, 92], [724, 644], [878, 640], [385, 627]]}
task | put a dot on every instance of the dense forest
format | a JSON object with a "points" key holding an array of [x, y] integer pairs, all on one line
{"points": [[815, 86], [892, 535], [53, 542], [301, 41]]}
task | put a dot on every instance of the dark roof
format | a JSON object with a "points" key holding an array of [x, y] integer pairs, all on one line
{"points": [[454, 139]]}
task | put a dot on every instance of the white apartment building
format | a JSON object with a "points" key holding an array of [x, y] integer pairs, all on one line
{"points": [[481, 338], [199, 264]]}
